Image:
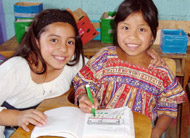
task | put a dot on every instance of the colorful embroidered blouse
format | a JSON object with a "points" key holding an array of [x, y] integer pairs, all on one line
{"points": [[116, 83]]}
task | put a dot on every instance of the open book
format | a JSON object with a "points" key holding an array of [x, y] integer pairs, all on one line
{"points": [[71, 122]]}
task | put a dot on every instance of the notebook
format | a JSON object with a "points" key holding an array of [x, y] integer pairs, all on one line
{"points": [[71, 122]]}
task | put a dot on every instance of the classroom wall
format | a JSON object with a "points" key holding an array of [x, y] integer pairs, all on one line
{"points": [[168, 10]]}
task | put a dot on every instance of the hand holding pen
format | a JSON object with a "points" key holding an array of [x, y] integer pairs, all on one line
{"points": [[86, 105], [90, 98]]}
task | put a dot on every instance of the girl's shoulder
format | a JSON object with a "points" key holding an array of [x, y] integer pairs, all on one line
{"points": [[162, 68], [103, 55], [164, 72], [17, 64], [15, 69], [106, 51]]}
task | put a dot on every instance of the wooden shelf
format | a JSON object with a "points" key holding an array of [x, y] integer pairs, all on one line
{"points": [[179, 71]]}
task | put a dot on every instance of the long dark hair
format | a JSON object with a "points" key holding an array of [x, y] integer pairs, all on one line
{"points": [[146, 7], [28, 48]]}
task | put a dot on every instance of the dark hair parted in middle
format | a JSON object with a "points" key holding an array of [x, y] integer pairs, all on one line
{"points": [[29, 50], [146, 7]]}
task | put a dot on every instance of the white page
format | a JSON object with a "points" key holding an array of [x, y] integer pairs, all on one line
{"points": [[125, 130], [62, 121]]}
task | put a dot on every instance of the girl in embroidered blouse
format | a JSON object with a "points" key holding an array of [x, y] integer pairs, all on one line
{"points": [[123, 76], [48, 58]]}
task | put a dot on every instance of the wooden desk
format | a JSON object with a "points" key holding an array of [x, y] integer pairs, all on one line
{"points": [[8, 48], [142, 124], [182, 71]]}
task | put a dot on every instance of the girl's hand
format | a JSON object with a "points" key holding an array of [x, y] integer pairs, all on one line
{"points": [[85, 105], [156, 59], [31, 116]]}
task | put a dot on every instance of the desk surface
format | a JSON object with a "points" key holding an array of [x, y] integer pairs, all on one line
{"points": [[142, 124]]}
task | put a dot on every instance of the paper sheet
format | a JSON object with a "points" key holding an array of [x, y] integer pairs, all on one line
{"points": [[125, 129]]}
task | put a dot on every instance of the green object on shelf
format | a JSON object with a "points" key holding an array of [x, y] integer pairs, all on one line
{"points": [[107, 26], [21, 27]]}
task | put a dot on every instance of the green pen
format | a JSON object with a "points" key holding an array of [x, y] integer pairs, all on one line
{"points": [[90, 97]]}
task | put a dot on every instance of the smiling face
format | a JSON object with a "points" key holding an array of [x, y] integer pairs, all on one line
{"points": [[57, 45], [134, 35]]}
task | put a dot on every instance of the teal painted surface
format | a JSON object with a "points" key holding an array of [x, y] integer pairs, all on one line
{"points": [[173, 9], [168, 10]]}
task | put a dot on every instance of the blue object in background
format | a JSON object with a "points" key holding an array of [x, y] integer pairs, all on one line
{"points": [[98, 36], [173, 41], [97, 26], [27, 9]]}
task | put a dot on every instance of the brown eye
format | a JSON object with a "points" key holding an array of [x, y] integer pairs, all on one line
{"points": [[54, 40], [142, 30], [71, 42], [125, 28]]}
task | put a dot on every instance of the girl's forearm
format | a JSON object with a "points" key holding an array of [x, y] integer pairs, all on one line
{"points": [[9, 117], [161, 126]]}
